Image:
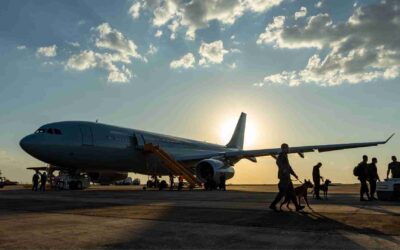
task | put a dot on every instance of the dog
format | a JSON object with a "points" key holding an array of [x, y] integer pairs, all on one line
{"points": [[301, 192], [324, 187]]}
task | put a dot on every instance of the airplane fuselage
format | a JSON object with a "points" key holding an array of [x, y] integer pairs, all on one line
{"points": [[89, 146]]}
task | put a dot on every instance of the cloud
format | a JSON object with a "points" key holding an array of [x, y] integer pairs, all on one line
{"points": [[187, 61], [173, 27], [196, 14], [152, 49], [114, 40], [50, 51], [232, 65], [212, 52], [301, 13], [115, 52], [122, 75], [361, 49], [83, 61], [21, 47], [318, 4], [134, 10], [74, 44], [88, 60], [158, 33]]}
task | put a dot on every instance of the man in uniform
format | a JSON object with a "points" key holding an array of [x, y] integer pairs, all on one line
{"points": [[35, 181], [394, 166], [373, 177], [43, 180], [362, 176], [171, 182], [317, 179], [285, 185]]}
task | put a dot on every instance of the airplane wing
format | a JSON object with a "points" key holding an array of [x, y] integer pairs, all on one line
{"points": [[251, 154]]}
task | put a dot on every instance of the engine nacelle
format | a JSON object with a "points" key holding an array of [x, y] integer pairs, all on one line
{"points": [[214, 168], [106, 178]]}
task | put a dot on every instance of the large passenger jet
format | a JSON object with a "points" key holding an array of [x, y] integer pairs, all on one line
{"points": [[100, 148]]}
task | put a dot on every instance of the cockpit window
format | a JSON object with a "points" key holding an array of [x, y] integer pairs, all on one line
{"points": [[48, 131]]}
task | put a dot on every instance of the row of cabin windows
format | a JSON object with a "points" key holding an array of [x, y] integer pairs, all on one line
{"points": [[118, 138], [49, 131]]}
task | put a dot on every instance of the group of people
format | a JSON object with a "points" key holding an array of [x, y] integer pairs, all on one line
{"points": [[172, 184], [39, 177], [368, 173]]}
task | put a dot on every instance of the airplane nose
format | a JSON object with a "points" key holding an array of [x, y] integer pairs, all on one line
{"points": [[26, 143]]}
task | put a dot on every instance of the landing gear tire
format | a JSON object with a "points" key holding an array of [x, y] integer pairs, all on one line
{"points": [[163, 184], [60, 185]]}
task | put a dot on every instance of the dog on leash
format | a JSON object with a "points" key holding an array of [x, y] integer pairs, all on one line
{"points": [[324, 187], [301, 192]]}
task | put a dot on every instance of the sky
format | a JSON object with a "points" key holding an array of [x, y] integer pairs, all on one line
{"points": [[305, 72]]}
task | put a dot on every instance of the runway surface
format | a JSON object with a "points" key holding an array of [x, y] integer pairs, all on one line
{"points": [[128, 217]]}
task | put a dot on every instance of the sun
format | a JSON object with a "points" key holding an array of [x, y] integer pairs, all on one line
{"points": [[228, 126]]}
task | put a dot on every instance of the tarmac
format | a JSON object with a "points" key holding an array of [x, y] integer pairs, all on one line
{"points": [[128, 217]]}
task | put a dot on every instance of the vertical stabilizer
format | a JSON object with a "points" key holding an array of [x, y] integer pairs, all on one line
{"points": [[237, 139]]}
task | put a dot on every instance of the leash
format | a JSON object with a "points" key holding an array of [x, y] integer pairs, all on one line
{"points": [[297, 180]]}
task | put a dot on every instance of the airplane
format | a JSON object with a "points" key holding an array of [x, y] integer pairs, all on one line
{"points": [[109, 151]]}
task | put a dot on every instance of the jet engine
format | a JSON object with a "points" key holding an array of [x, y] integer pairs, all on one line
{"points": [[213, 168], [107, 178]]}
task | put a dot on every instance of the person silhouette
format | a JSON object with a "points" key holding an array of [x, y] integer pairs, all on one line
{"points": [[285, 184], [35, 181], [373, 177], [393, 167], [362, 177], [43, 180], [317, 179]]}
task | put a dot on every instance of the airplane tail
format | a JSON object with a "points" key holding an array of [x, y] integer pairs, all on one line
{"points": [[237, 139]]}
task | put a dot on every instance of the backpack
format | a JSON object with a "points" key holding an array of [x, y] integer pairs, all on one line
{"points": [[356, 171]]}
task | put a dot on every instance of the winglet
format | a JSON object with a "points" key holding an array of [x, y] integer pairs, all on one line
{"points": [[390, 137]]}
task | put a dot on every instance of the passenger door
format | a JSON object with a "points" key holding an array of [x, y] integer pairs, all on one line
{"points": [[87, 135], [139, 141]]}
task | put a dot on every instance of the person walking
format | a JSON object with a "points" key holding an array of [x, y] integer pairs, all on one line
{"points": [[317, 179], [43, 180], [285, 184], [373, 177], [362, 174], [393, 167], [171, 182], [35, 181]]}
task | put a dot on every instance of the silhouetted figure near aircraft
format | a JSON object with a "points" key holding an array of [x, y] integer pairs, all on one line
{"points": [[171, 182], [285, 185], [317, 180], [43, 180], [35, 181], [180, 183], [361, 171], [222, 180], [393, 167], [373, 177]]}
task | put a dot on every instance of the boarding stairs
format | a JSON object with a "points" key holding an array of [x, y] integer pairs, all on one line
{"points": [[172, 164]]}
